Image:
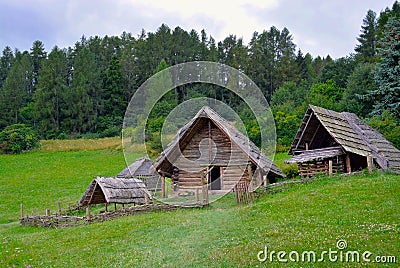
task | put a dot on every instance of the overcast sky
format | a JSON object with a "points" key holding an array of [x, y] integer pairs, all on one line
{"points": [[320, 27]]}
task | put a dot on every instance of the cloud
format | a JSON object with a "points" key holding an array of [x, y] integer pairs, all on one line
{"points": [[318, 27]]}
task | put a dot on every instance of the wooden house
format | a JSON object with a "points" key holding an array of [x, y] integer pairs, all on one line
{"points": [[106, 190], [142, 169], [329, 141], [209, 151]]}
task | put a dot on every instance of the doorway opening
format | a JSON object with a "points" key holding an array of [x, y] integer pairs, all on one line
{"points": [[214, 180]]}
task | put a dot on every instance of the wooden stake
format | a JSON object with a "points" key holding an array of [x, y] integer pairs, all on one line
{"points": [[47, 212], [88, 213], [59, 208], [330, 169], [22, 210], [106, 205], [163, 192], [306, 146], [348, 165]]}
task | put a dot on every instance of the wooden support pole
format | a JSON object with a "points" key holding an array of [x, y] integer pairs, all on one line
{"points": [[306, 146], [330, 169], [47, 212], [370, 163], [22, 210], [163, 192], [348, 165], [115, 206], [88, 213], [106, 205]]}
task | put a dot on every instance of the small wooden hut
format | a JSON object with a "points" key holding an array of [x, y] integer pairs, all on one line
{"points": [[142, 169], [106, 190], [328, 142], [209, 151]]}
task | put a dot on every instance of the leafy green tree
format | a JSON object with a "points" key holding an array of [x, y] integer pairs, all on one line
{"points": [[387, 94], [360, 82], [326, 95], [338, 70], [388, 125], [17, 138], [368, 38], [49, 95]]}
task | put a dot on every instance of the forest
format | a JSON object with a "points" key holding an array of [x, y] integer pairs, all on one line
{"points": [[83, 91]]}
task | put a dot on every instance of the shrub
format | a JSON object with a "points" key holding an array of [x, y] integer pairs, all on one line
{"points": [[290, 170], [17, 138]]}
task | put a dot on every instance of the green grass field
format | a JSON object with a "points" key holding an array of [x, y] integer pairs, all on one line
{"points": [[364, 210]]}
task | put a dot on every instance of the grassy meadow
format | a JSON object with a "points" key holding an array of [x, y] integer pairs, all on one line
{"points": [[364, 210]]}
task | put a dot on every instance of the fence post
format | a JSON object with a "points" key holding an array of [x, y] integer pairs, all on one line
{"points": [[22, 210], [59, 208], [330, 170], [88, 213], [47, 212]]}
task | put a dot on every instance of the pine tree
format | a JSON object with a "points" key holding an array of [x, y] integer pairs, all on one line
{"points": [[16, 88], [6, 62], [83, 96], [113, 93], [49, 94], [387, 95], [38, 54], [368, 38]]}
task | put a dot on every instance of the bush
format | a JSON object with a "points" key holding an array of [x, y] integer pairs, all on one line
{"points": [[17, 138], [290, 170]]}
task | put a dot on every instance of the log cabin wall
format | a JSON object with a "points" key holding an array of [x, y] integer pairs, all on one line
{"points": [[310, 169], [218, 152]]}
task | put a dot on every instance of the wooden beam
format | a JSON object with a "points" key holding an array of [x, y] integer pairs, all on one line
{"points": [[315, 133], [304, 129]]}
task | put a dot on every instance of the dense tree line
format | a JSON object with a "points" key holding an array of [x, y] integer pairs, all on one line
{"points": [[84, 90]]}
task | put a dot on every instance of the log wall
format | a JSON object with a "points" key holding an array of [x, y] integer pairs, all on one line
{"points": [[310, 169], [219, 151]]}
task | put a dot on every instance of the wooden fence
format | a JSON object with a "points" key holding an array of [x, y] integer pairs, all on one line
{"points": [[62, 221]]}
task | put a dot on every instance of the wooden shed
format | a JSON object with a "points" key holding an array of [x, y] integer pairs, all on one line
{"points": [[329, 141], [106, 190], [142, 169], [209, 151]]}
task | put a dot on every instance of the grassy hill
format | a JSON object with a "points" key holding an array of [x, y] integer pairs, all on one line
{"points": [[363, 210]]}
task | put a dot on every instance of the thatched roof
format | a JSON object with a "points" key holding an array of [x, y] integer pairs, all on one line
{"points": [[141, 167], [347, 131], [115, 190], [236, 137]]}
